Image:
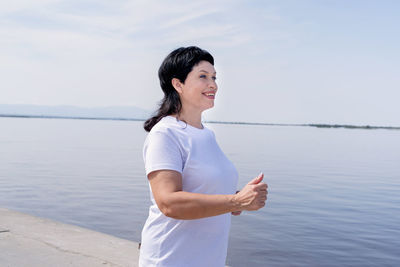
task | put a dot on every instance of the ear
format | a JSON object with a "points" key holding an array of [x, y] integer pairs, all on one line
{"points": [[176, 83]]}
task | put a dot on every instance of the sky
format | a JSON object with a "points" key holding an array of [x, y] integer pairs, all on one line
{"points": [[322, 61]]}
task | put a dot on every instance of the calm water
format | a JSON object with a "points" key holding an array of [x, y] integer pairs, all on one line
{"points": [[334, 197]]}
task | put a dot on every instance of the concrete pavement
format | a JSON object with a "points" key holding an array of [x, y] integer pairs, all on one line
{"points": [[29, 241]]}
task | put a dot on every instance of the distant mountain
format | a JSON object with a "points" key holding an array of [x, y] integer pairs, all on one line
{"points": [[112, 112]]}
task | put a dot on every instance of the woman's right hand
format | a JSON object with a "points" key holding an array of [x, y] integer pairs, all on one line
{"points": [[253, 195]]}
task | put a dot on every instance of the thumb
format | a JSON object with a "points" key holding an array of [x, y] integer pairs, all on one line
{"points": [[257, 180]]}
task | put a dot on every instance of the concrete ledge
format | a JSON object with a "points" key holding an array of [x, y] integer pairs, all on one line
{"points": [[37, 242]]}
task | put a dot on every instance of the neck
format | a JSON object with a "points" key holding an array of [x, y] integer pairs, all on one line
{"points": [[192, 118]]}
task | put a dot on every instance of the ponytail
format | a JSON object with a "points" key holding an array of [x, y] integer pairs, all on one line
{"points": [[170, 104]]}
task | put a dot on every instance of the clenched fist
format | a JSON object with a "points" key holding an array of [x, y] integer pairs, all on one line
{"points": [[252, 196]]}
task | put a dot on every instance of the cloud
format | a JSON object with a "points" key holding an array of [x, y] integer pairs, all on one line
{"points": [[101, 52], [83, 51], [54, 23], [7, 7]]}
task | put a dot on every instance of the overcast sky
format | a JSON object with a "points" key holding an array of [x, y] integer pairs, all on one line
{"points": [[277, 61]]}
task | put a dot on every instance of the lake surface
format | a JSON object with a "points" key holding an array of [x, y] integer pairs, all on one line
{"points": [[334, 194]]}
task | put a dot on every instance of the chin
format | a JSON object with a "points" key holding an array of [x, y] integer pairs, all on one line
{"points": [[209, 106], [206, 106]]}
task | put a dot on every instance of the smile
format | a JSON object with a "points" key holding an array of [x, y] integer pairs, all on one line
{"points": [[210, 95]]}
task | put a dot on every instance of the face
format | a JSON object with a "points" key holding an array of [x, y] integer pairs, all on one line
{"points": [[198, 91]]}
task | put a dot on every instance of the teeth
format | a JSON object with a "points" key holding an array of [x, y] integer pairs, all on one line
{"points": [[209, 94]]}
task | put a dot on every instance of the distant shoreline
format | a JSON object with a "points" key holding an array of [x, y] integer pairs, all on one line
{"points": [[346, 126]]}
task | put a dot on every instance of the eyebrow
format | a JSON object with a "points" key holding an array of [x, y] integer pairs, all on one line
{"points": [[206, 71]]}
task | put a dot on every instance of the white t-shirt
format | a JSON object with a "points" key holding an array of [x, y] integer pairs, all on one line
{"points": [[193, 152]]}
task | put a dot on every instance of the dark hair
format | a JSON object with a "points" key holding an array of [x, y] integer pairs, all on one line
{"points": [[177, 64]]}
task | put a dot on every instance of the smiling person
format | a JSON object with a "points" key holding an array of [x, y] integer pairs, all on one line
{"points": [[192, 182]]}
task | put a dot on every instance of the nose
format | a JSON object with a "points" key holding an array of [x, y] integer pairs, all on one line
{"points": [[213, 85]]}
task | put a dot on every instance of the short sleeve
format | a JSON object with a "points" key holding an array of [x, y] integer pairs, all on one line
{"points": [[161, 152]]}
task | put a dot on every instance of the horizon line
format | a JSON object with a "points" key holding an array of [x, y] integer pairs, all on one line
{"points": [[317, 125]]}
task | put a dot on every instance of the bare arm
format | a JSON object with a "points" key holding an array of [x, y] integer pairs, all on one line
{"points": [[166, 186]]}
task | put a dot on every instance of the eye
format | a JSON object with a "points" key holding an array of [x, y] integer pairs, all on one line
{"points": [[214, 78], [203, 76]]}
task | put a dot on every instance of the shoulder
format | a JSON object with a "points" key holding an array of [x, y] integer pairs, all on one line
{"points": [[209, 131], [167, 126], [168, 130]]}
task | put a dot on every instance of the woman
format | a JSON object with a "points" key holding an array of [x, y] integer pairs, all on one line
{"points": [[192, 183]]}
